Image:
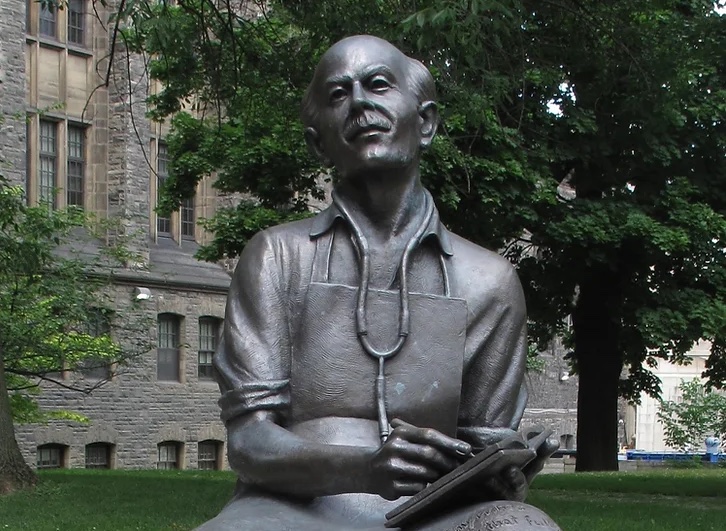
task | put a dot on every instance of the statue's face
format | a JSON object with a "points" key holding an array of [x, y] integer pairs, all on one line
{"points": [[368, 115]]}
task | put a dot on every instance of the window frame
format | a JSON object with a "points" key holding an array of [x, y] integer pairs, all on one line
{"points": [[97, 325], [207, 346], [76, 159], [163, 448], [187, 219], [50, 21], [107, 463], [163, 224], [168, 332], [51, 448], [47, 193], [213, 463], [80, 17]]}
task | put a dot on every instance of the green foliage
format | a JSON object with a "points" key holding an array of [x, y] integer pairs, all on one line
{"points": [[534, 362], [47, 304], [697, 414], [585, 140]]}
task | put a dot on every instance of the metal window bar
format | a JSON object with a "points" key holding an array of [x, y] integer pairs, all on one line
{"points": [[47, 168], [97, 456], [207, 459], [49, 457], [76, 165], [167, 459], [163, 224], [76, 22], [48, 21]]}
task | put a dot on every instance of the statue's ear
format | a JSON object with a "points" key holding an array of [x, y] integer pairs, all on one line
{"points": [[429, 122], [312, 139]]}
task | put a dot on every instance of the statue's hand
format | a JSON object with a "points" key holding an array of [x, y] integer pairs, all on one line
{"points": [[411, 458], [510, 484], [544, 451]]}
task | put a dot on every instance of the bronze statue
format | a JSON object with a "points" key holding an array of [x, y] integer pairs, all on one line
{"points": [[367, 351]]}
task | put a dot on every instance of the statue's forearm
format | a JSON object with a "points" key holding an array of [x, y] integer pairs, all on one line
{"points": [[270, 456]]}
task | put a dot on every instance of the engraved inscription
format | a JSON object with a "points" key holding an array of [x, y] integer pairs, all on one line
{"points": [[509, 517]]}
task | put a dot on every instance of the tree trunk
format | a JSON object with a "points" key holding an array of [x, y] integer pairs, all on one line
{"points": [[599, 363], [15, 474]]}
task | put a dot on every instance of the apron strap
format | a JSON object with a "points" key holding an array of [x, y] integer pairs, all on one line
{"points": [[321, 261]]}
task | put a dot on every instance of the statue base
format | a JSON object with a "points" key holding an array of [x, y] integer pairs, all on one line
{"points": [[496, 515]]}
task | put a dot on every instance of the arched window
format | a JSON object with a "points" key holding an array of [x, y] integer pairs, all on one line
{"points": [[99, 455], [169, 455], [167, 351], [210, 455], [52, 456]]}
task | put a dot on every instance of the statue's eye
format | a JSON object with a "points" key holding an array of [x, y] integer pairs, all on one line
{"points": [[379, 84], [337, 94]]}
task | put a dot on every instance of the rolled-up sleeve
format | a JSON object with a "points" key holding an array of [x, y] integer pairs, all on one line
{"points": [[252, 362], [493, 391]]}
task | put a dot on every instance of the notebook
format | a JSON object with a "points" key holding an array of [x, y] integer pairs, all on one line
{"points": [[489, 461]]}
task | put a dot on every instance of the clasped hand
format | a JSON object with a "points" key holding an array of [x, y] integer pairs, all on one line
{"points": [[413, 457]]}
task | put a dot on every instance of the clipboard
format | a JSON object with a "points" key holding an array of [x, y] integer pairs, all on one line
{"points": [[490, 461]]}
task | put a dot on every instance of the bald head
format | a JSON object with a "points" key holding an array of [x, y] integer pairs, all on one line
{"points": [[366, 48]]}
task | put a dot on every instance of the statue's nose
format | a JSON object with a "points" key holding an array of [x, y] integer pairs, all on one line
{"points": [[359, 97]]}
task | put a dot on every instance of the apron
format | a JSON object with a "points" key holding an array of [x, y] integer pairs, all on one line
{"points": [[333, 395], [332, 376]]}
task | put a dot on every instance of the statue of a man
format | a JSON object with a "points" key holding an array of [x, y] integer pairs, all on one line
{"points": [[367, 312]]}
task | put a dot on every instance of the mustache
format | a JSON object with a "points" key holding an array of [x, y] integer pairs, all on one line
{"points": [[365, 121]]}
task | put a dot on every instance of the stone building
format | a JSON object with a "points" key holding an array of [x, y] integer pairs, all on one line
{"points": [[74, 132], [553, 395]]}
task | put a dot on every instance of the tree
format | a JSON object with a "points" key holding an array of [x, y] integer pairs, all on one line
{"points": [[47, 304], [699, 413], [595, 129]]}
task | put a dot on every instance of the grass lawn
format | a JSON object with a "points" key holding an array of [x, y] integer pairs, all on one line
{"points": [[85, 500]]}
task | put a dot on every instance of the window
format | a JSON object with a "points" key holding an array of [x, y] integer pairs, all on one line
{"points": [[167, 367], [76, 165], [209, 455], [567, 441], [76, 23], [48, 168], [163, 225], [51, 456], [48, 20], [98, 325], [208, 333], [187, 218], [169, 453], [98, 455]]}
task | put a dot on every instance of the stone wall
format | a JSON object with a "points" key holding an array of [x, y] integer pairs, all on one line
{"points": [[12, 92], [129, 144], [134, 411], [553, 396]]}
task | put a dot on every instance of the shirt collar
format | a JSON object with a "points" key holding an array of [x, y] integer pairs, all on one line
{"points": [[325, 220]]}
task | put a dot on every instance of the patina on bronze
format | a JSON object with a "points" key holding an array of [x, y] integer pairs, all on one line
{"points": [[367, 312]]}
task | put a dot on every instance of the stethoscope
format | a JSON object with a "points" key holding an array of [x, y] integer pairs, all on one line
{"points": [[404, 318]]}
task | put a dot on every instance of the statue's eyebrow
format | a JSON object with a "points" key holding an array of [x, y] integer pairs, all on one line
{"points": [[371, 71]]}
